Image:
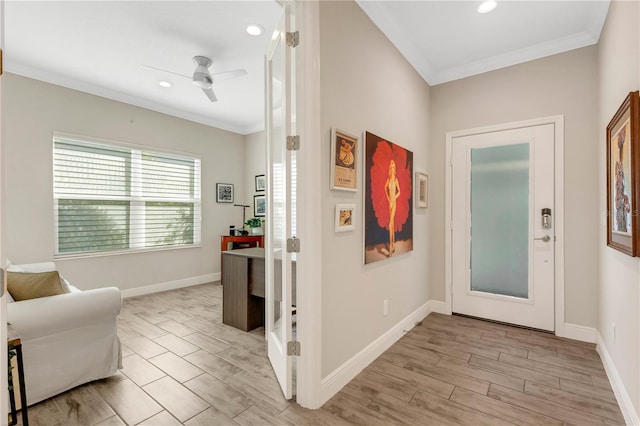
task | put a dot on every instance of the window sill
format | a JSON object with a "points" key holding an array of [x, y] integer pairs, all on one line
{"points": [[73, 256]]}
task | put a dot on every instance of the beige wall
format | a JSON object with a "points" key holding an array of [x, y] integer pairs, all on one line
{"points": [[33, 110], [366, 85], [619, 274], [255, 163], [562, 84]]}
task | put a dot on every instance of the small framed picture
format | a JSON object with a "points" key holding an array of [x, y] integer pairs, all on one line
{"points": [[344, 160], [422, 190], [345, 216], [261, 183], [224, 192], [259, 205]]}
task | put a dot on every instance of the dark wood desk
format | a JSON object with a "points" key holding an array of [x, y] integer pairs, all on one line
{"points": [[232, 242], [243, 288]]}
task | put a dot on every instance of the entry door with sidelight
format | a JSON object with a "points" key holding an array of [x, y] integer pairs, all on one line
{"points": [[502, 226]]}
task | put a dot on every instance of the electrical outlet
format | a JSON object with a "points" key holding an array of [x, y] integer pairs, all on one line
{"points": [[385, 307], [613, 332]]}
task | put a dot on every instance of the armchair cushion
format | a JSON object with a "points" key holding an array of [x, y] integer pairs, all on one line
{"points": [[25, 285]]}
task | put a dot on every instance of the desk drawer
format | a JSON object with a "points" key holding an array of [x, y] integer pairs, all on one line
{"points": [[256, 277]]}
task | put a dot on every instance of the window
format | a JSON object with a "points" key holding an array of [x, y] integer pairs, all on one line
{"points": [[112, 198]]}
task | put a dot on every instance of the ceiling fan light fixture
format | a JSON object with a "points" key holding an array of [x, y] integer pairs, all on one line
{"points": [[487, 6], [254, 29], [202, 80]]}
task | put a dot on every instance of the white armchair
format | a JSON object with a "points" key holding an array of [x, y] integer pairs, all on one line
{"points": [[67, 339]]}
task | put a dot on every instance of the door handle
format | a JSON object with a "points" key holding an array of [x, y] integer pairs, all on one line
{"points": [[545, 238]]}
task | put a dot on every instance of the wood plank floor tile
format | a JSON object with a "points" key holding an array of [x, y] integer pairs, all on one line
{"points": [[301, 416], [175, 328], [128, 400], [396, 411], [111, 421], [587, 369], [455, 412], [605, 393], [543, 367], [140, 371], [540, 405], [452, 377], [263, 390], [176, 344], [453, 365], [595, 406], [176, 367], [255, 415], [412, 378], [145, 347], [354, 412], [208, 343], [503, 410], [213, 364], [479, 342], [382, 383], [448, 370], [163, 418], [455, 345], [175, 398], [221, 396], [515, 371], [211, 417]]}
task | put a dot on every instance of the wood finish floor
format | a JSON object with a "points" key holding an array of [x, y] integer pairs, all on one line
{"points": [[183, 366]]}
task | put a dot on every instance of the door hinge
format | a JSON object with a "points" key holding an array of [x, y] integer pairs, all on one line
{"points": [[293, 245], [293, 39], [293, 348], [293, 143], [1, 62]]}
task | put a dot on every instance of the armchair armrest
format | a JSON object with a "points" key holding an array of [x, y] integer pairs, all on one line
{"points": [[46, 316]]}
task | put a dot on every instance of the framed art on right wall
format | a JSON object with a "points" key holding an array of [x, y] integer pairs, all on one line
{"points": [[623, 178]]}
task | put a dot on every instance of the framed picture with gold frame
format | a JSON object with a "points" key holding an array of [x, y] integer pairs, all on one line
{"points": [[344, 160], [623, 177]]}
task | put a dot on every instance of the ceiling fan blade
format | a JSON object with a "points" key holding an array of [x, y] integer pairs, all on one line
{"points": [[166, 71], [210, 95], [228, 75]]}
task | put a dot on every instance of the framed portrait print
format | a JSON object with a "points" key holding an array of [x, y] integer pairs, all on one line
{"points": [[345, 216], [388, 199], [344, 160], [623, 178], [259, 205], [224, 192], [422, 190], [261, 183]]}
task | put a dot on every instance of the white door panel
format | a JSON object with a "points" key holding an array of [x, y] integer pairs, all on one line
{"points": [[502, 269]]}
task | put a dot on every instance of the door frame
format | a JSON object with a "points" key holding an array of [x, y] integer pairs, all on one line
{"points": [[558, 122]]}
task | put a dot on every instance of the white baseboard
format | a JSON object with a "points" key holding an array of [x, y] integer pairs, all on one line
{"points": [[624, 400], [170, 285], [438, 307], [342, 375], [578, 332]]}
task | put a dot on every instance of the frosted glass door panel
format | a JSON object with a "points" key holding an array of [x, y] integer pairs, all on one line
{"points": [[500, 220]]}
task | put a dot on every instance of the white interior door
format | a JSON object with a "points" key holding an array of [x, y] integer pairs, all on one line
{"points": [[279, 125], [502, 251]]}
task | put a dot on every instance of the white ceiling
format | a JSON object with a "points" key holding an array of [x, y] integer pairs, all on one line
{"points": [[449, 40], [99, 46]]}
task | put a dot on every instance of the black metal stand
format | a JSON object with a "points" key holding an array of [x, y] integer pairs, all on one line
{"points": [[23, 393]]}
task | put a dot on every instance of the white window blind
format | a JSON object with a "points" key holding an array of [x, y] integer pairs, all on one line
{"points": [[110, 198]]}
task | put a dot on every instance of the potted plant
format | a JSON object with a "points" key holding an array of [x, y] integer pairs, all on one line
{"points": [[255, 226]]}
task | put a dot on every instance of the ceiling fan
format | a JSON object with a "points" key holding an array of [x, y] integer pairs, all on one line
{"points": [[202, 78]]}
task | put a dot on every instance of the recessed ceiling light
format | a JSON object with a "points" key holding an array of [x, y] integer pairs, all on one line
{"points": [[165, 84], [487, 6], [254, 29]]}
